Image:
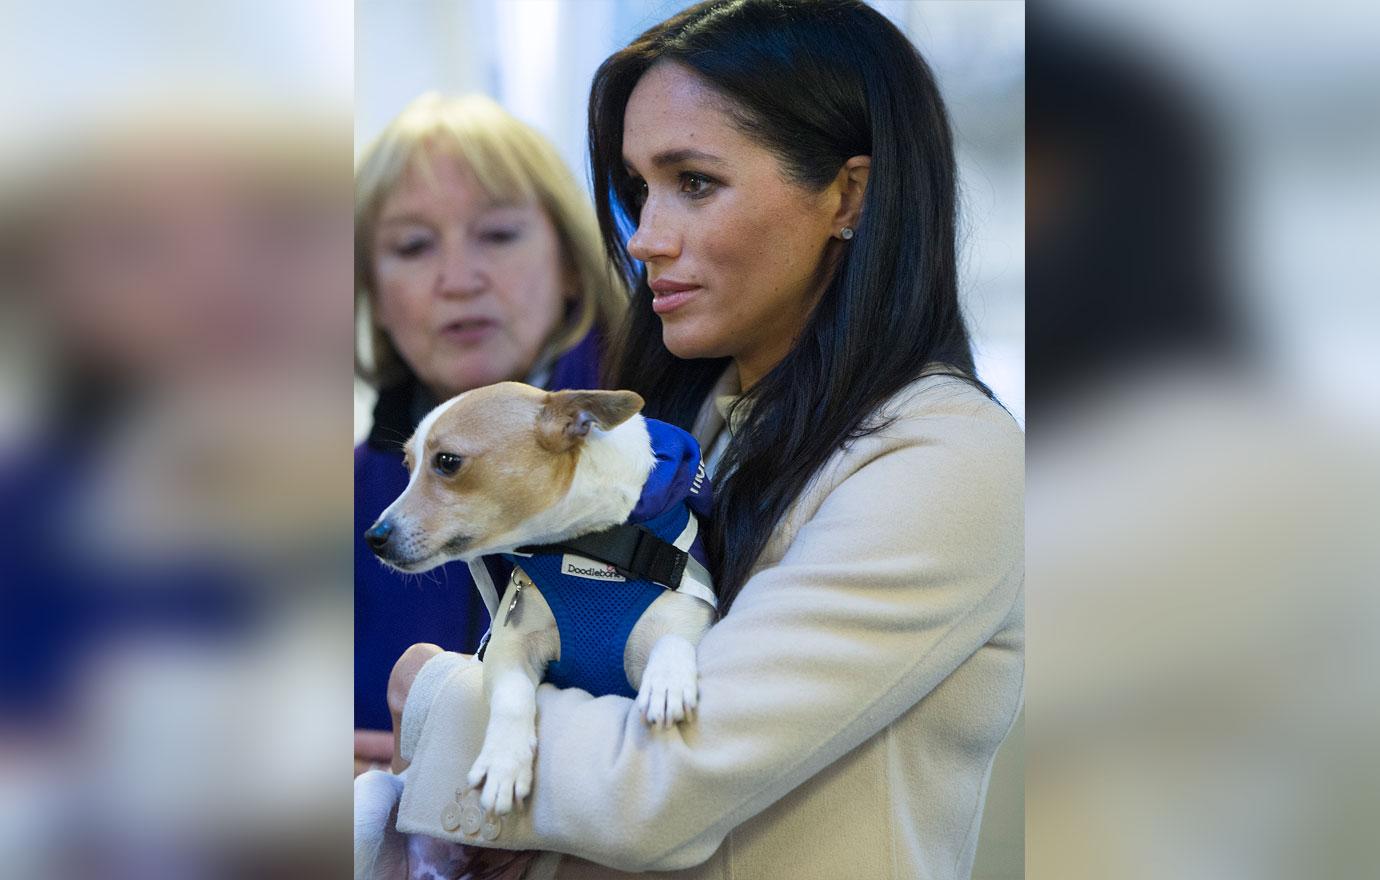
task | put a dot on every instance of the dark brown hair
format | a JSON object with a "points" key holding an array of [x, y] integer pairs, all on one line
{"points": [[815, 82]]}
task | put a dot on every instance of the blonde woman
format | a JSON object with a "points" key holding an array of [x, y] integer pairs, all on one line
{"points": [[478, 259]]}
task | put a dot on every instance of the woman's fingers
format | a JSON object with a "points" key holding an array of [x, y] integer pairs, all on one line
{"points": [[373, 749]]}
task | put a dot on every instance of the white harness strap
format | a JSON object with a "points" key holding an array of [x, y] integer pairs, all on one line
{"points": [[695, 580], [487, 591]]}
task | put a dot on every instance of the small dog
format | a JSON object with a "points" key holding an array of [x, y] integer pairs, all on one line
{"points": [[515, 471]]}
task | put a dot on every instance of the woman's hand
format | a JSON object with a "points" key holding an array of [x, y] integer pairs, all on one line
{"points": [[378, 749], [373, 750]]}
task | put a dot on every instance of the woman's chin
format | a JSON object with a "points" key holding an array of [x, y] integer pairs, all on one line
{"points": [[689, 345], [459, 381]]}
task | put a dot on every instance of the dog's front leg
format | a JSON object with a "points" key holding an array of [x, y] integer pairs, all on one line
{"points": [[660, 658], [514, 664], [504, 765]]}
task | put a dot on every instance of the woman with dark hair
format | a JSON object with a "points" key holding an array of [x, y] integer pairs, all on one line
{"points": [[788, 171]]}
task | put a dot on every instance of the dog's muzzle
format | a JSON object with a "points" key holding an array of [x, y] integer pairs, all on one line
{"points": [[392, 544], [378, 537]]}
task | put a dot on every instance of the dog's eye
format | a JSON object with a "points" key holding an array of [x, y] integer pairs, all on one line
{"points": [[447, 463]]}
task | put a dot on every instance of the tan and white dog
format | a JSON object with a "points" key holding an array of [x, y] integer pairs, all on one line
{"points": [[510, 465]]}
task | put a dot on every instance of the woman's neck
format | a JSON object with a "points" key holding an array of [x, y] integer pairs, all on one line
{"points": [[752, 367]]}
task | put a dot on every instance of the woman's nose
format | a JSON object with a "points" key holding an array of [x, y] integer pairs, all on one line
{"points": [[461, 273], [655, 238]]}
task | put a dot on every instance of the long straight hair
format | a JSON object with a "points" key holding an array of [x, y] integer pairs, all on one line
{"points": [[815, 82]]}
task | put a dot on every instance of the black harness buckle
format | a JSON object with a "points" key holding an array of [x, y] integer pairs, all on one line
{"points": [[634, 552]]}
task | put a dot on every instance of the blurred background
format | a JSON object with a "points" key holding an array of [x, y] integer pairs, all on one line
{"points": [[1203, 487], [175, 320]]}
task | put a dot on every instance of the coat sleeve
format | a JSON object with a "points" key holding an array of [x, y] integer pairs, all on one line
{"points": [[909, 564]]}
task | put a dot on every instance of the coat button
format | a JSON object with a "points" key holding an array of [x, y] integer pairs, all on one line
{"points": [[471, 819], [450, 817], [491, 828]]}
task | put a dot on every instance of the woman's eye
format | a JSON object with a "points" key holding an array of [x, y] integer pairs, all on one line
{"points": [[446, 463], [412, 247], [499, 236], [695, 185], [637, 190]]}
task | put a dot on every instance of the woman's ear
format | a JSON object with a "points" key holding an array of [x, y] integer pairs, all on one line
{"points": [[851, 185]]}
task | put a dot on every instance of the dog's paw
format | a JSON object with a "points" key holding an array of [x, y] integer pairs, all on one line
{"points": [[505, 770], [669, 691]]}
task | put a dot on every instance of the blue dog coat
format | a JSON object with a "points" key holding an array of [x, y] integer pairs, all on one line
{"points": [[595, 607]]}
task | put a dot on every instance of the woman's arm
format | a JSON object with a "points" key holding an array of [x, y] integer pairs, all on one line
{"points": [[909, 565]]}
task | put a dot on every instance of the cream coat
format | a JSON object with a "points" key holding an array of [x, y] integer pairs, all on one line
{"points": [[851, 703]]}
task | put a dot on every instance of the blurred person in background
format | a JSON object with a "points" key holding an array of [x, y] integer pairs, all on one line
{"points": [[478, 260], [789, 171], [1204, 700], [165, 273], [171, 512], [1125, 235]]}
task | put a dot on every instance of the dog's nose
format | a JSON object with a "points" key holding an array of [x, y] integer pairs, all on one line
{"points": [[378, 535]]}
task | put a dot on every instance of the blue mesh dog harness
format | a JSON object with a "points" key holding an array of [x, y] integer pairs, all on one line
{"points": [[595, 607]]}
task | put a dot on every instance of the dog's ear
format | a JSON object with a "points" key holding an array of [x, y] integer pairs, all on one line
{"points": [[567, 416]]}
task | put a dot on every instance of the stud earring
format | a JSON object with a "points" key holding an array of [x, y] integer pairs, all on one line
{"points": [[846, 233]]}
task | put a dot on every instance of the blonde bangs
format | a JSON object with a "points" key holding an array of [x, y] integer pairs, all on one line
{"points": [[514, 165]]}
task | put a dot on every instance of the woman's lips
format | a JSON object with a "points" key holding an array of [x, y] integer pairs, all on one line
{"points": [[469, 332], [669, 298]]}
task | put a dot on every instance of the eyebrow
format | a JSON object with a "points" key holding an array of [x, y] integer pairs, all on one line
{"points": [[417, 218], [409, 219], [676, 157]]}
